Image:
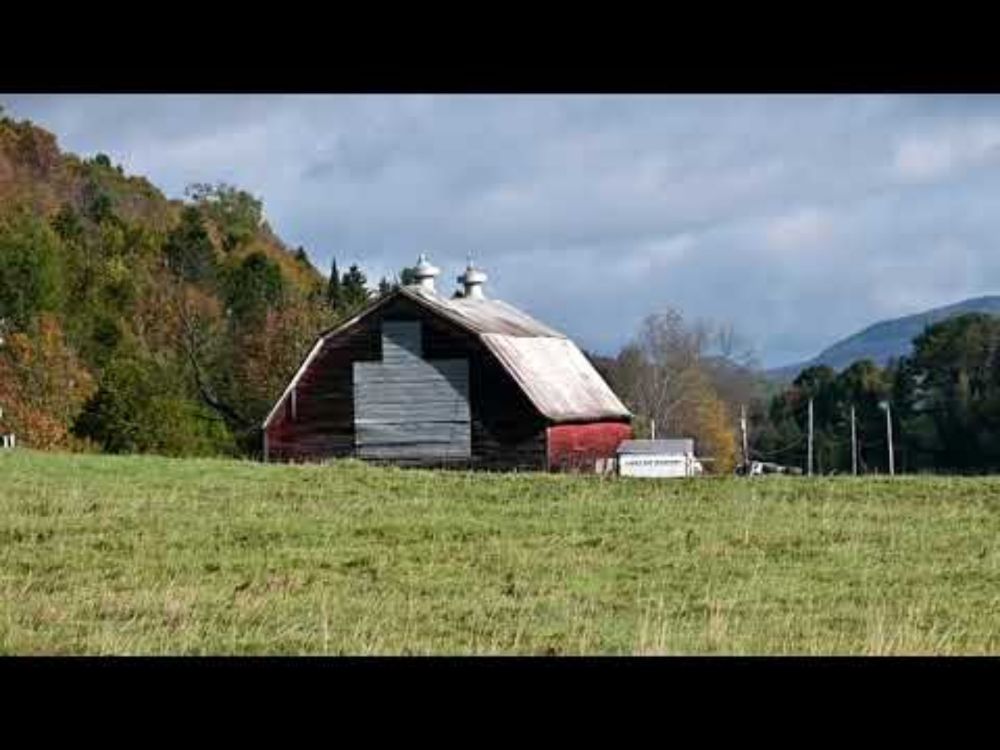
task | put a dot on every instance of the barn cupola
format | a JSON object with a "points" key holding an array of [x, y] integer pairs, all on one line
{"points": [[472, 281], [425, 273]]}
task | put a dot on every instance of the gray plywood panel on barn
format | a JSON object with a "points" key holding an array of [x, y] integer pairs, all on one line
{"points": [[407, 407]]}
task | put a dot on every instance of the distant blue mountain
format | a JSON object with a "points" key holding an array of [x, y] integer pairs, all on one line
{"points": [[882, 341]]}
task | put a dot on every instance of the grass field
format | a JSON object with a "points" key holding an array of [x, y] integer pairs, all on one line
{"points": [[143, 555]]}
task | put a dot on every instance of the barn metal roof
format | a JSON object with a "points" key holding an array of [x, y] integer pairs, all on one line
{"points": [[553, 373], [556, 377], [482, 315]]}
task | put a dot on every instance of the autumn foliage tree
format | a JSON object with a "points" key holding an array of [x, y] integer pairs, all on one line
{"points": [[43, 385], [270, 352], [662, 376]]}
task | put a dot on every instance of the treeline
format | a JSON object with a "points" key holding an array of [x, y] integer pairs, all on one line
{"points": [[943, 401], [132, 323]]}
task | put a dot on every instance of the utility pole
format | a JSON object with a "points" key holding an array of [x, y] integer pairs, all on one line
{"points": [[743, 429], [888, 429], [854, 445], [810, 437]]}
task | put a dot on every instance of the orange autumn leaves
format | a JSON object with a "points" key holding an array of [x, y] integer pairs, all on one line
{"points": [[43, 386]]}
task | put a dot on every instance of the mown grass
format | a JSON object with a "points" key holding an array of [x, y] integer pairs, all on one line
{"points": [[143, 555]]}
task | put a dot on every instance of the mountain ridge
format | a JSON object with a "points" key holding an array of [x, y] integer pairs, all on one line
{"points": [[885, 339]]}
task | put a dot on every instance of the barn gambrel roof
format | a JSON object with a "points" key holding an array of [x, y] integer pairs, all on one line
{"points": [[549, 368]]}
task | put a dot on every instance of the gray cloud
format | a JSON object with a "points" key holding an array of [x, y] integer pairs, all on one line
{"points": [[800, 218]]}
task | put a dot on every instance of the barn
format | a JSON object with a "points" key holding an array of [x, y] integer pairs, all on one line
{"points": [[419, 378]]}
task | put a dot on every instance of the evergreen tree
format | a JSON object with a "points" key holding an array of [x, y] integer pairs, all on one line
{"points": [[253, 287], [334, 294], [949, 394], [354, 288], [189, 250], [408, 276]]}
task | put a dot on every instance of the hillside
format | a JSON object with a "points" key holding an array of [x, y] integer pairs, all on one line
{"points": [[35, 174], [885, 340], [135, 322], [148, 555]]}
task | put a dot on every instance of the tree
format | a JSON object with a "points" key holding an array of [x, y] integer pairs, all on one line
{"points": [[732, 369], [209, 353], [354, 289], [863, 385], [43, 384], [263, 358], [188, 249], [236, 213], [99, 206], [733, 346], [628, 375], [786, 438], [253, 287], [949, 392], [140, 408], [782, 429], [408, 276], [67, 224], [334, 293], [707, 419], [31, 269], [661, 376], [669, 375]]}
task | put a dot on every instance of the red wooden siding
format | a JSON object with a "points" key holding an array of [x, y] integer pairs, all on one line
{"points": [[578, 446]]}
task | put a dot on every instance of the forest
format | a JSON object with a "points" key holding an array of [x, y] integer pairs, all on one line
{"points": [[133, 323], [136, 324]]}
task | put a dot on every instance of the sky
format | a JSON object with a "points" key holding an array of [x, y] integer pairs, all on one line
{"points": [[799, 218]]}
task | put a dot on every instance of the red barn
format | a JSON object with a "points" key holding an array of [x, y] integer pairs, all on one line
{"points": [[418, 378]]}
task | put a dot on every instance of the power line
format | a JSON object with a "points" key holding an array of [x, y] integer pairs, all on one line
{"points": [[777, 451]]}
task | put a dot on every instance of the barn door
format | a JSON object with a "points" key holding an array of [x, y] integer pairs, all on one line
{"points": [[410, 408]]}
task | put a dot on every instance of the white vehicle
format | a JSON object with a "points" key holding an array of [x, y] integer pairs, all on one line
{"points": [[759, 468]]}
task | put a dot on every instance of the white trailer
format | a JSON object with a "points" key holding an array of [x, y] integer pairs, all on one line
{"points": [[658, 458]]}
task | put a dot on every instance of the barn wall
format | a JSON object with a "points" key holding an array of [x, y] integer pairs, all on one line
{"points": [[577, 447], [323, 424], [408, 406], [507, 432]]}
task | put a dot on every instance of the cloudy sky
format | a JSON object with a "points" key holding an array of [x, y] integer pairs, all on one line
{"points": [[799, 218]]}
